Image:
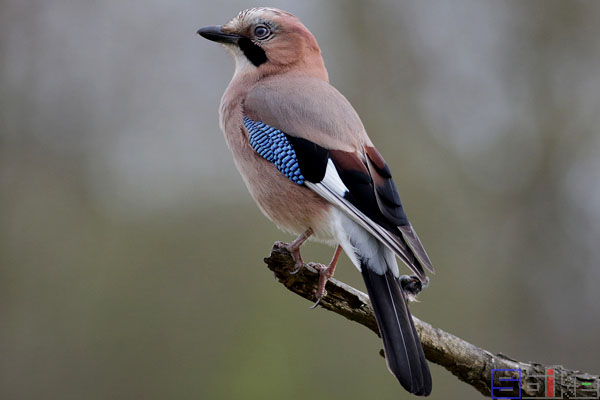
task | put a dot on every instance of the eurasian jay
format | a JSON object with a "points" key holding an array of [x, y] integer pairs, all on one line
{"points": [[307, 161]]}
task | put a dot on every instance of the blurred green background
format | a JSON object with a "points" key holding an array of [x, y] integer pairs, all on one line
{"points": [[131, 253]]}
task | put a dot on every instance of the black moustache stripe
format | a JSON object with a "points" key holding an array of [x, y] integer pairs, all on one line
{"points": [[254, 53]]}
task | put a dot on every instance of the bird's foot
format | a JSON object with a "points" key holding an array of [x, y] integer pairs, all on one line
{"points": [[294, 249], [412, 286], [325, 273], [295, 252]]}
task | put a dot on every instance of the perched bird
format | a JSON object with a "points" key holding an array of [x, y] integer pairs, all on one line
{"points": [[307, 161]]}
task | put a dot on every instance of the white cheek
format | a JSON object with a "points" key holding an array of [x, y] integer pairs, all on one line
{"points": [[242, 64]]}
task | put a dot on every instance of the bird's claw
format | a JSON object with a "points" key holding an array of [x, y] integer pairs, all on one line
{"points": [[296, 269], [324, 275], [412, 285], [294, 249], [295, 252], [316, 304]]}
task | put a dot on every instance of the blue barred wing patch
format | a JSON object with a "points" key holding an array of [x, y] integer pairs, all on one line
{"points": [[273, 145]]}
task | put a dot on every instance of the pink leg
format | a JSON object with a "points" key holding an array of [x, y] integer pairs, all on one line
{"points": [[325, 273], [294, 249]]}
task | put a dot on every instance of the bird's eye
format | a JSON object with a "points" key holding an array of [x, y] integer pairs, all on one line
{"points": [[261, 32]]}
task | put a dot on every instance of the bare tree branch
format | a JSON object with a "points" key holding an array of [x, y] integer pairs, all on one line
{"points": [[469, 363]]}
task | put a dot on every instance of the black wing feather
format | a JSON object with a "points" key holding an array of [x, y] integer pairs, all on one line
{"points": [[312, 158]]}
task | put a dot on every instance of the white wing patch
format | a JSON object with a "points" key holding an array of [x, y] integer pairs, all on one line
{"points": [[333, 181], [332, 189]]}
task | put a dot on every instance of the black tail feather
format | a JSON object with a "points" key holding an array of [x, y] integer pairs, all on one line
{"points": [[403, 350]]}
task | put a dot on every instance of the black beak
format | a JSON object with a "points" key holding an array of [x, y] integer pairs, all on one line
{"points": [[216, 34]]}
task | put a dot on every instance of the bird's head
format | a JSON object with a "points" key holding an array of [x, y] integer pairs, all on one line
{"points": [[266, 41]]}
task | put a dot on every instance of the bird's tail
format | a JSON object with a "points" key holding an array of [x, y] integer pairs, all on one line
{"points": [[403, 352]]}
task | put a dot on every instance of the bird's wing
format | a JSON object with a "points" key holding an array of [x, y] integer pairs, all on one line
{"points": [[333, 156]]}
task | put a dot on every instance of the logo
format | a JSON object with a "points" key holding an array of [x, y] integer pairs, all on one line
{"points": [[506, 384], [510, 384]]}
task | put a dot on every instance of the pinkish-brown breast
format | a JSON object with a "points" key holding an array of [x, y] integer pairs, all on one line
{"points": [[292, 207]]}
